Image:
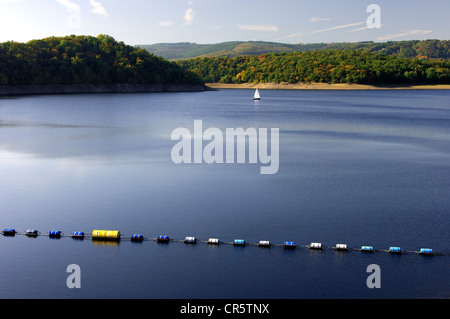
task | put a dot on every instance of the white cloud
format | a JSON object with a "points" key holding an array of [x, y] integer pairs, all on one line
{"points": [[166, 23], [339, 27], [189, 16], [98, 8], [254, 27], [69, 5], [404, 34], [318, 19]]}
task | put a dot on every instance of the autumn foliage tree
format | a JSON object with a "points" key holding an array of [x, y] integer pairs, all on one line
{"points": [[327, 66]]}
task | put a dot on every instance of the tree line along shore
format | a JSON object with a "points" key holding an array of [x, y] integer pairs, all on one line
{"points": [[88, 64], [86, 60], [324, 86], [330, 66]]}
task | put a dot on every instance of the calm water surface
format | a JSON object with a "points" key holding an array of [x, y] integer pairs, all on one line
{"points": [[356, 167]]}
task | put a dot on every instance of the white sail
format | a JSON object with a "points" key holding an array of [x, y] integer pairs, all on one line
{"points": [[256, 96]]}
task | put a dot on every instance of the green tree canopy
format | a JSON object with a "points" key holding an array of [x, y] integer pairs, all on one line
{"points": [[86, 60], [328, 66]]}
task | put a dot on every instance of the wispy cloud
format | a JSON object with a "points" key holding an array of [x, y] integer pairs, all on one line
{"points": [[404, 34], [300, 34], [319, 19], [359, 29], [98, 8], [363, 28], [291, 36], [339, 27], [166, 23], [189, 16], [69, 5], [74, 19], [255, 27]]}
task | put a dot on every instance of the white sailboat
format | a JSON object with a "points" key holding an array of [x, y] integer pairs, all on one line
{"points": [[256, 97]]}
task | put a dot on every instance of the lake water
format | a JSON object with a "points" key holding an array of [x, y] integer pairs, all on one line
{"points": [[355, 167]]}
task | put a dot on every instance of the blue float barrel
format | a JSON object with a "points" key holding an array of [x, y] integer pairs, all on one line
{"points": [[9, 232], [367, 248], [426, 251], [137, 237], [239, 242], [78, 234], [163, 239], [289, 244], [396, 250], [55, 234]]}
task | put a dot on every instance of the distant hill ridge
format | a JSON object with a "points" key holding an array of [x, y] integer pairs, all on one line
{"points": [[421, 49]]}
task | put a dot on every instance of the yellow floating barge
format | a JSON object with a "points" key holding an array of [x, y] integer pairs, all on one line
{"points": [[106, 235]]}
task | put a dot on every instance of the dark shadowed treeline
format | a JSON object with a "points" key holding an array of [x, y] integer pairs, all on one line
{"points": [[85, 60]]}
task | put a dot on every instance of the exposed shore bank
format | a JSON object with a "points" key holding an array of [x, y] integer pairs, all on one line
{"points": [[17, 90], [325, 86]]}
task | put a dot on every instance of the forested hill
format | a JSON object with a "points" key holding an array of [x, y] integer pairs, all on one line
{"points": [[327, 66], [86, 60], [421, 49]]}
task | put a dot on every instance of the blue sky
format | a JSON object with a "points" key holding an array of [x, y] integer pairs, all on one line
{"points": [[214, 21]]}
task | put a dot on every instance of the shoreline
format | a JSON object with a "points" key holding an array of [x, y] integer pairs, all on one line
{"points": [[53, 89], [325, 86], [50, 89]]}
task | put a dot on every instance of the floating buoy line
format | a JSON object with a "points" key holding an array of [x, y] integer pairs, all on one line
{"points": [[115, 235]]}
